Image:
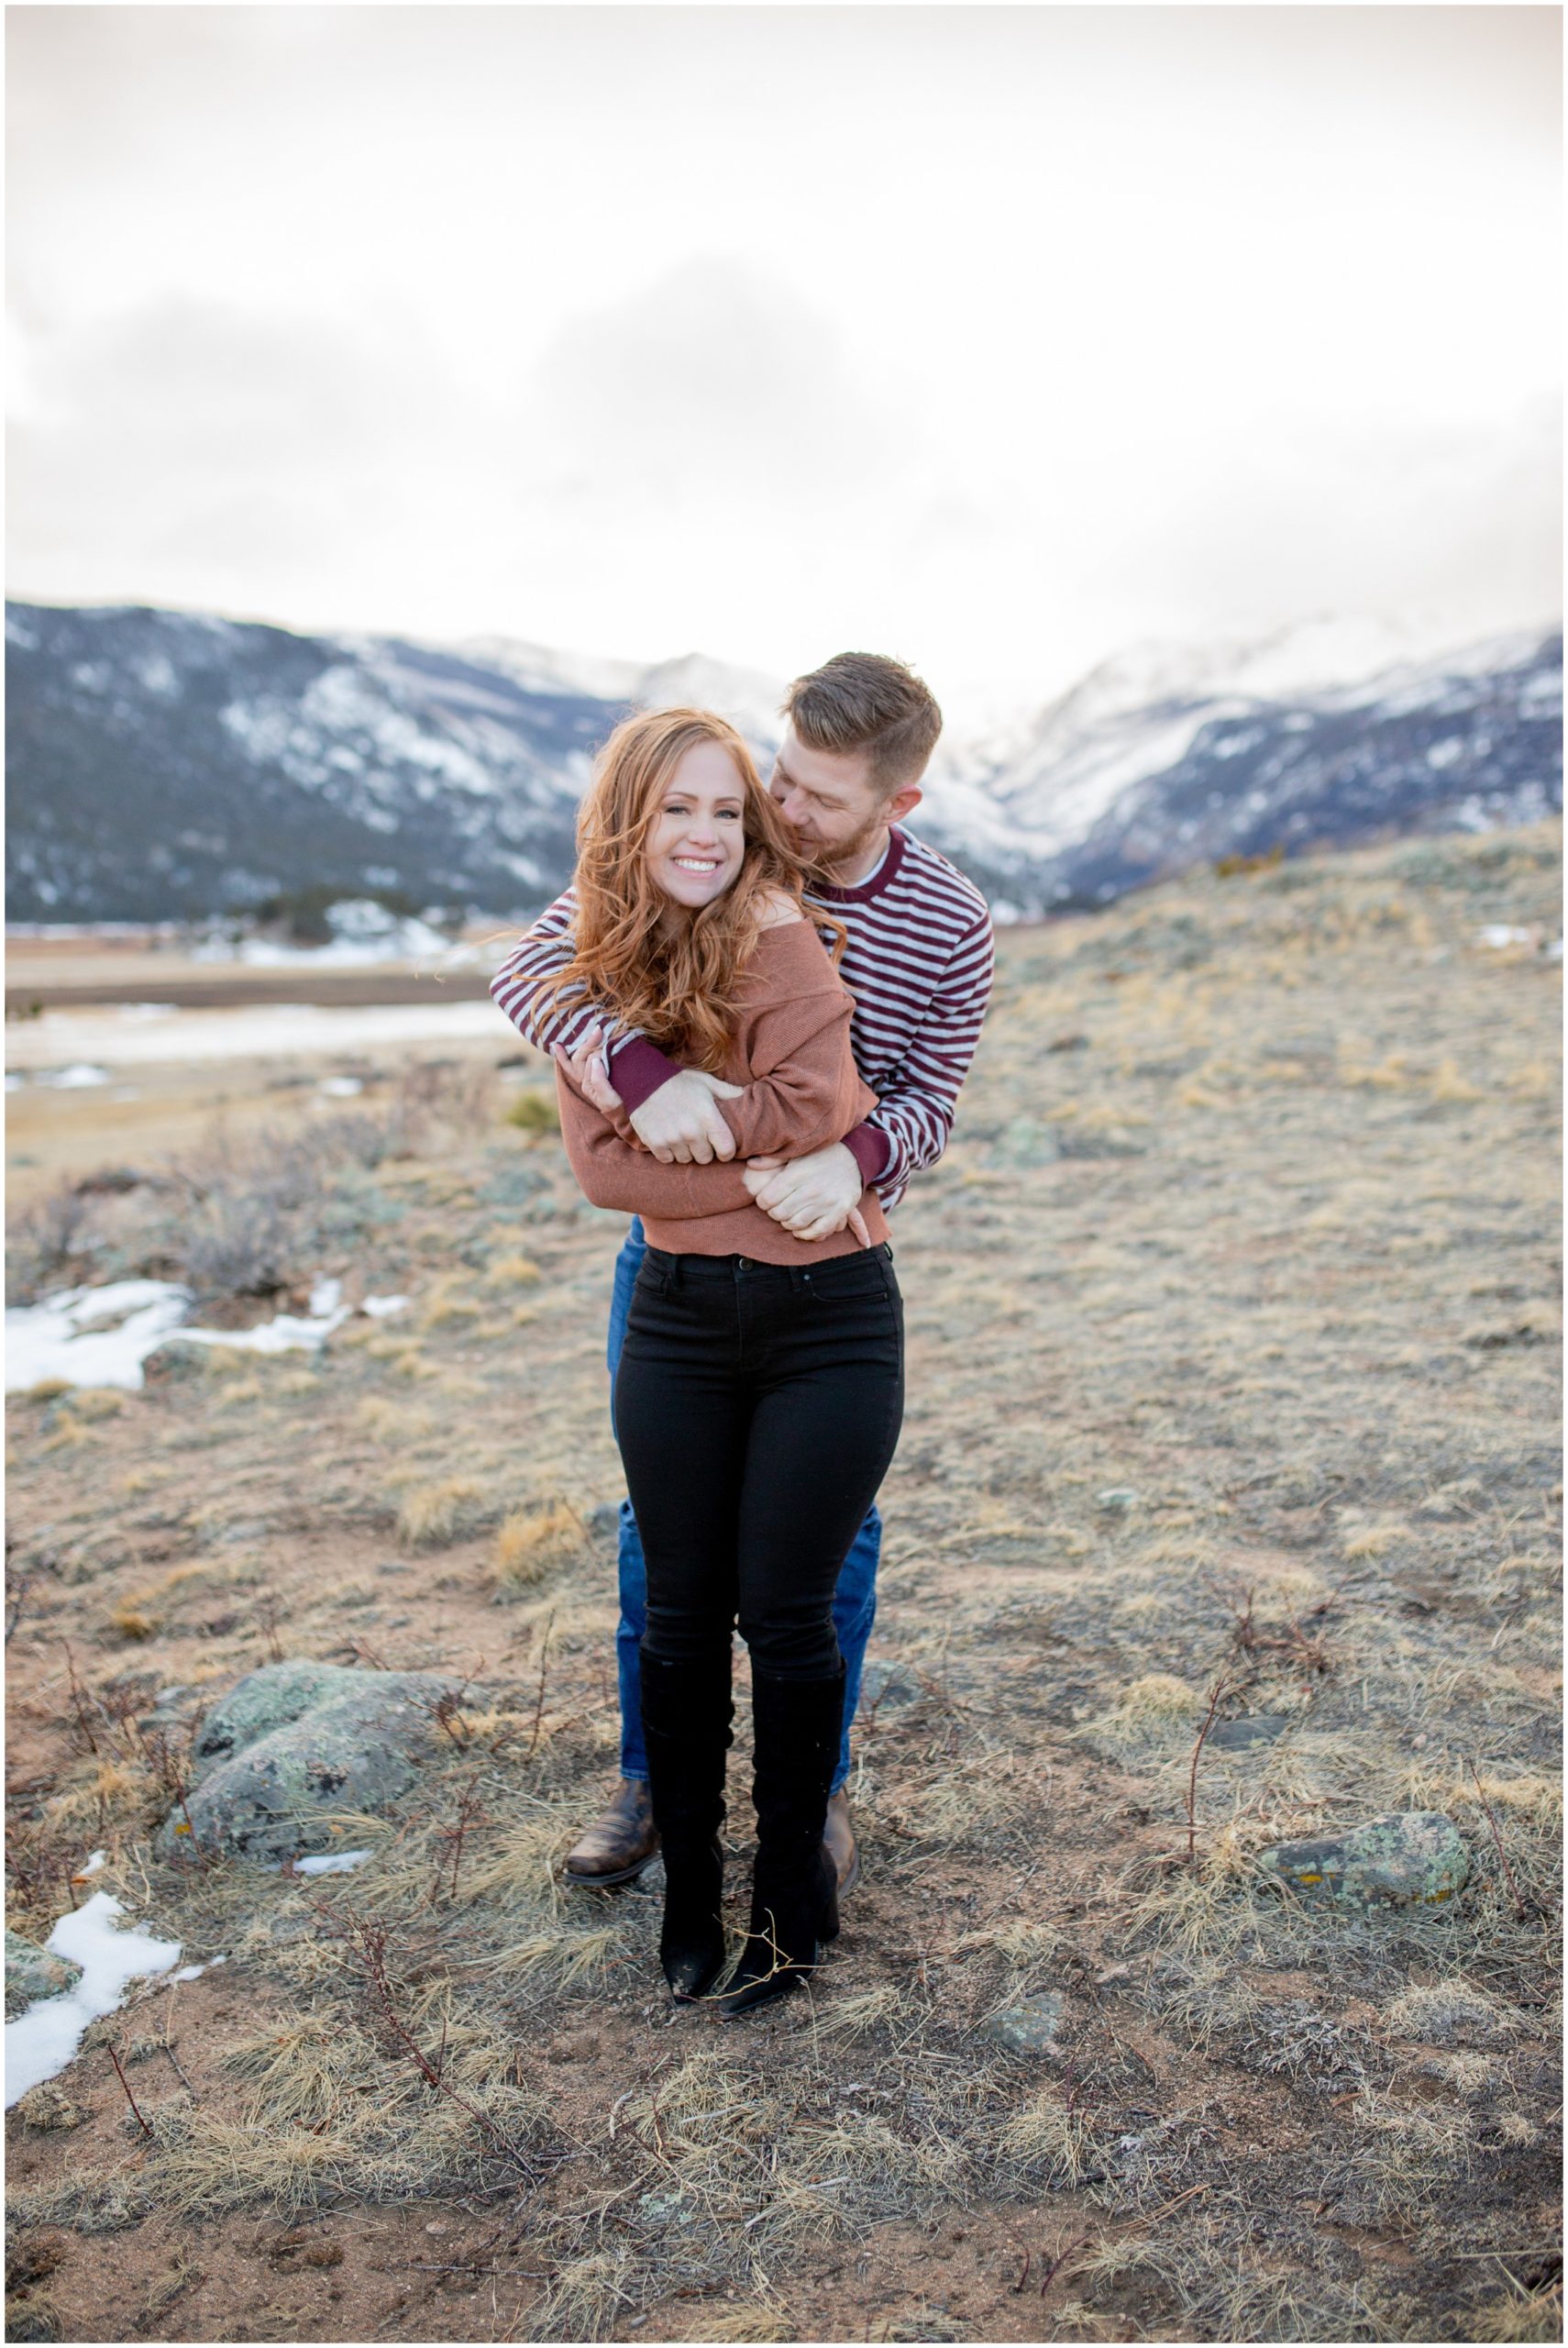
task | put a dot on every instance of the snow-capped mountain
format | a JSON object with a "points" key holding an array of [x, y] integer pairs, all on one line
{"points": [[1165, 759], [166, 765]]}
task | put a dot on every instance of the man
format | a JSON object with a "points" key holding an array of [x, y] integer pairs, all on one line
{"points": [[919, 960]]}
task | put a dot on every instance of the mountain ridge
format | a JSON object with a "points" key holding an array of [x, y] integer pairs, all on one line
{"points": [[170, 765]]}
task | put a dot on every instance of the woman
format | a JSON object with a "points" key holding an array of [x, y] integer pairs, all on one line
{"points": [[760, 1390]]}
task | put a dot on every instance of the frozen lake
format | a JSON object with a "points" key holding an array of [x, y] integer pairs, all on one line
{"points": [[145, 1035]]}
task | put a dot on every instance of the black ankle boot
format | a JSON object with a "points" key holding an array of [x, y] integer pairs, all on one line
{"points": [[794, 1900], [686, 1722]]}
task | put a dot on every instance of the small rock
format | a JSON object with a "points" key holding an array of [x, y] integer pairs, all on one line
{"points": [[1030, 2027], [604, 1522], [32, 1973], [887, 1686], [1023, 1142], [665, 2209], [1119, 1497], [1405, 1857], [1258, 1728]]}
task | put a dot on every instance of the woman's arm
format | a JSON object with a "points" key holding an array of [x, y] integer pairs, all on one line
{"points": [[799, 1059], [804, 1092], [612, 1173]]}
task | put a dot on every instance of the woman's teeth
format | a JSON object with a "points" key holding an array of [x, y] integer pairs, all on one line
{"points": [[698, 864]]}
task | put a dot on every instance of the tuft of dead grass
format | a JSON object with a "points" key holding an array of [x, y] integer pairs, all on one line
{"points": [[432, 1515], [531, 1541]]}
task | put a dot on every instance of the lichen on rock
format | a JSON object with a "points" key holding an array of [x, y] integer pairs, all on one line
{"points": [[1406, 1857], [32, 1973], [296, 1743]]}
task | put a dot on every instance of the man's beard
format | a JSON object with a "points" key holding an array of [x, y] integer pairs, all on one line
{"points": [[827, 860]]}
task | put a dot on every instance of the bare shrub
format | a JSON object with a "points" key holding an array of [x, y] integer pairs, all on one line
{"points": [[47, 1242]]}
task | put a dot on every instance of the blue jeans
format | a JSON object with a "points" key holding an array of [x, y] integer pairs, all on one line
{"points": [[854, 1600]]}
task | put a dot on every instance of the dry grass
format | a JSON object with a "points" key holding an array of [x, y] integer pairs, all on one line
{"points": [[532, 1541], [1257, 1382], [432, 1515]]}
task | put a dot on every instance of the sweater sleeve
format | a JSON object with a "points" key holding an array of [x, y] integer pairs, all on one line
{"points": [[615, 1173], [803, 1091], [523, 988]]}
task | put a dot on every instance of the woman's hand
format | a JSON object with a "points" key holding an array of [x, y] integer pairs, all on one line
{"points": [[588, 1068]]}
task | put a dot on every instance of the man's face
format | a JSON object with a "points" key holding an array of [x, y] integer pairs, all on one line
{"points": [[829, 801]]}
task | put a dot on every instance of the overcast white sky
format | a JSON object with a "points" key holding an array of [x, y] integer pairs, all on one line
{"points": [[994, 337]]}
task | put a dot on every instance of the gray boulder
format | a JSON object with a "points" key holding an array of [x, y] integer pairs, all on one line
{"points": [[1412, 1857], [295, 1744], [1031, 2027], [32, 1973]]}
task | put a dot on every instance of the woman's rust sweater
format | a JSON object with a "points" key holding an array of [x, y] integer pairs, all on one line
{"points": [[790, 1051]]}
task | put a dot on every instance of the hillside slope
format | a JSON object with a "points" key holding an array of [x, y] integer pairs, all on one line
{"points": [[169, 767]]}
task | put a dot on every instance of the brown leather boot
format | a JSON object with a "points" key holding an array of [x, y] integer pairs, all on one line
{"points": [[839, 1836], [621, 1841]]}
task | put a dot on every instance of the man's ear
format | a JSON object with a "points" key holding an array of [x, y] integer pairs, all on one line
{"points": [[904, 803]]}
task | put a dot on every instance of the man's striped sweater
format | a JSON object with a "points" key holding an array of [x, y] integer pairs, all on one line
{"points": [[919, 960]]}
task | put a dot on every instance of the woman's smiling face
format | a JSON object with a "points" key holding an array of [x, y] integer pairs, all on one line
{"points": [[696, 841]]}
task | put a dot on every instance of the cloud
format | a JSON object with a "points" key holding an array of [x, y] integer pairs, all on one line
{"points": [[718, 377], [196, 451]]}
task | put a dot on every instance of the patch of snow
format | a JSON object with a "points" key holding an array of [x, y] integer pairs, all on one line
{"points": [[93, 1861], [286, 1333], [194, 1972], [1498, 934], [101, 1336], [14, 1080], [144, 1010], [65, 1335], [257, 1032], [80, 1074], [341, 1088], [41, 2041], [332, 1863]]}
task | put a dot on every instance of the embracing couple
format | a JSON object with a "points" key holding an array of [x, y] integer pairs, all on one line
{"points": [[762, 1002]]}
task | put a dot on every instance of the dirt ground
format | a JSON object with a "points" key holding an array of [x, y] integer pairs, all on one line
{"points": [[1233, 1335]]}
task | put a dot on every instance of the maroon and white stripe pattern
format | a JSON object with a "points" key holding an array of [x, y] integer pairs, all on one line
{"points": [[919, 960]]}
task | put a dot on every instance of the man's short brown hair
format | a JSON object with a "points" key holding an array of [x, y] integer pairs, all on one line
{"points": [[858, 700]]}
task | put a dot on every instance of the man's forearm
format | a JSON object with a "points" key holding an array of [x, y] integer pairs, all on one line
{"points": [[525, 986]]}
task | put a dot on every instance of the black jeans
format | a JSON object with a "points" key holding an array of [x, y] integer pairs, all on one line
{"points": [[757, 1407]]}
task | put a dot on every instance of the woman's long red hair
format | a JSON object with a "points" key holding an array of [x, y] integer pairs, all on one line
{"points": [[671, 971]]}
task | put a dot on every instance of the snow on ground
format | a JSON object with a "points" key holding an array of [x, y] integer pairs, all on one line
{"points": [[332, 1863], [41, 2041], [65, 1336], [77, 1078], [103, 1039], [101, 1336]]}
